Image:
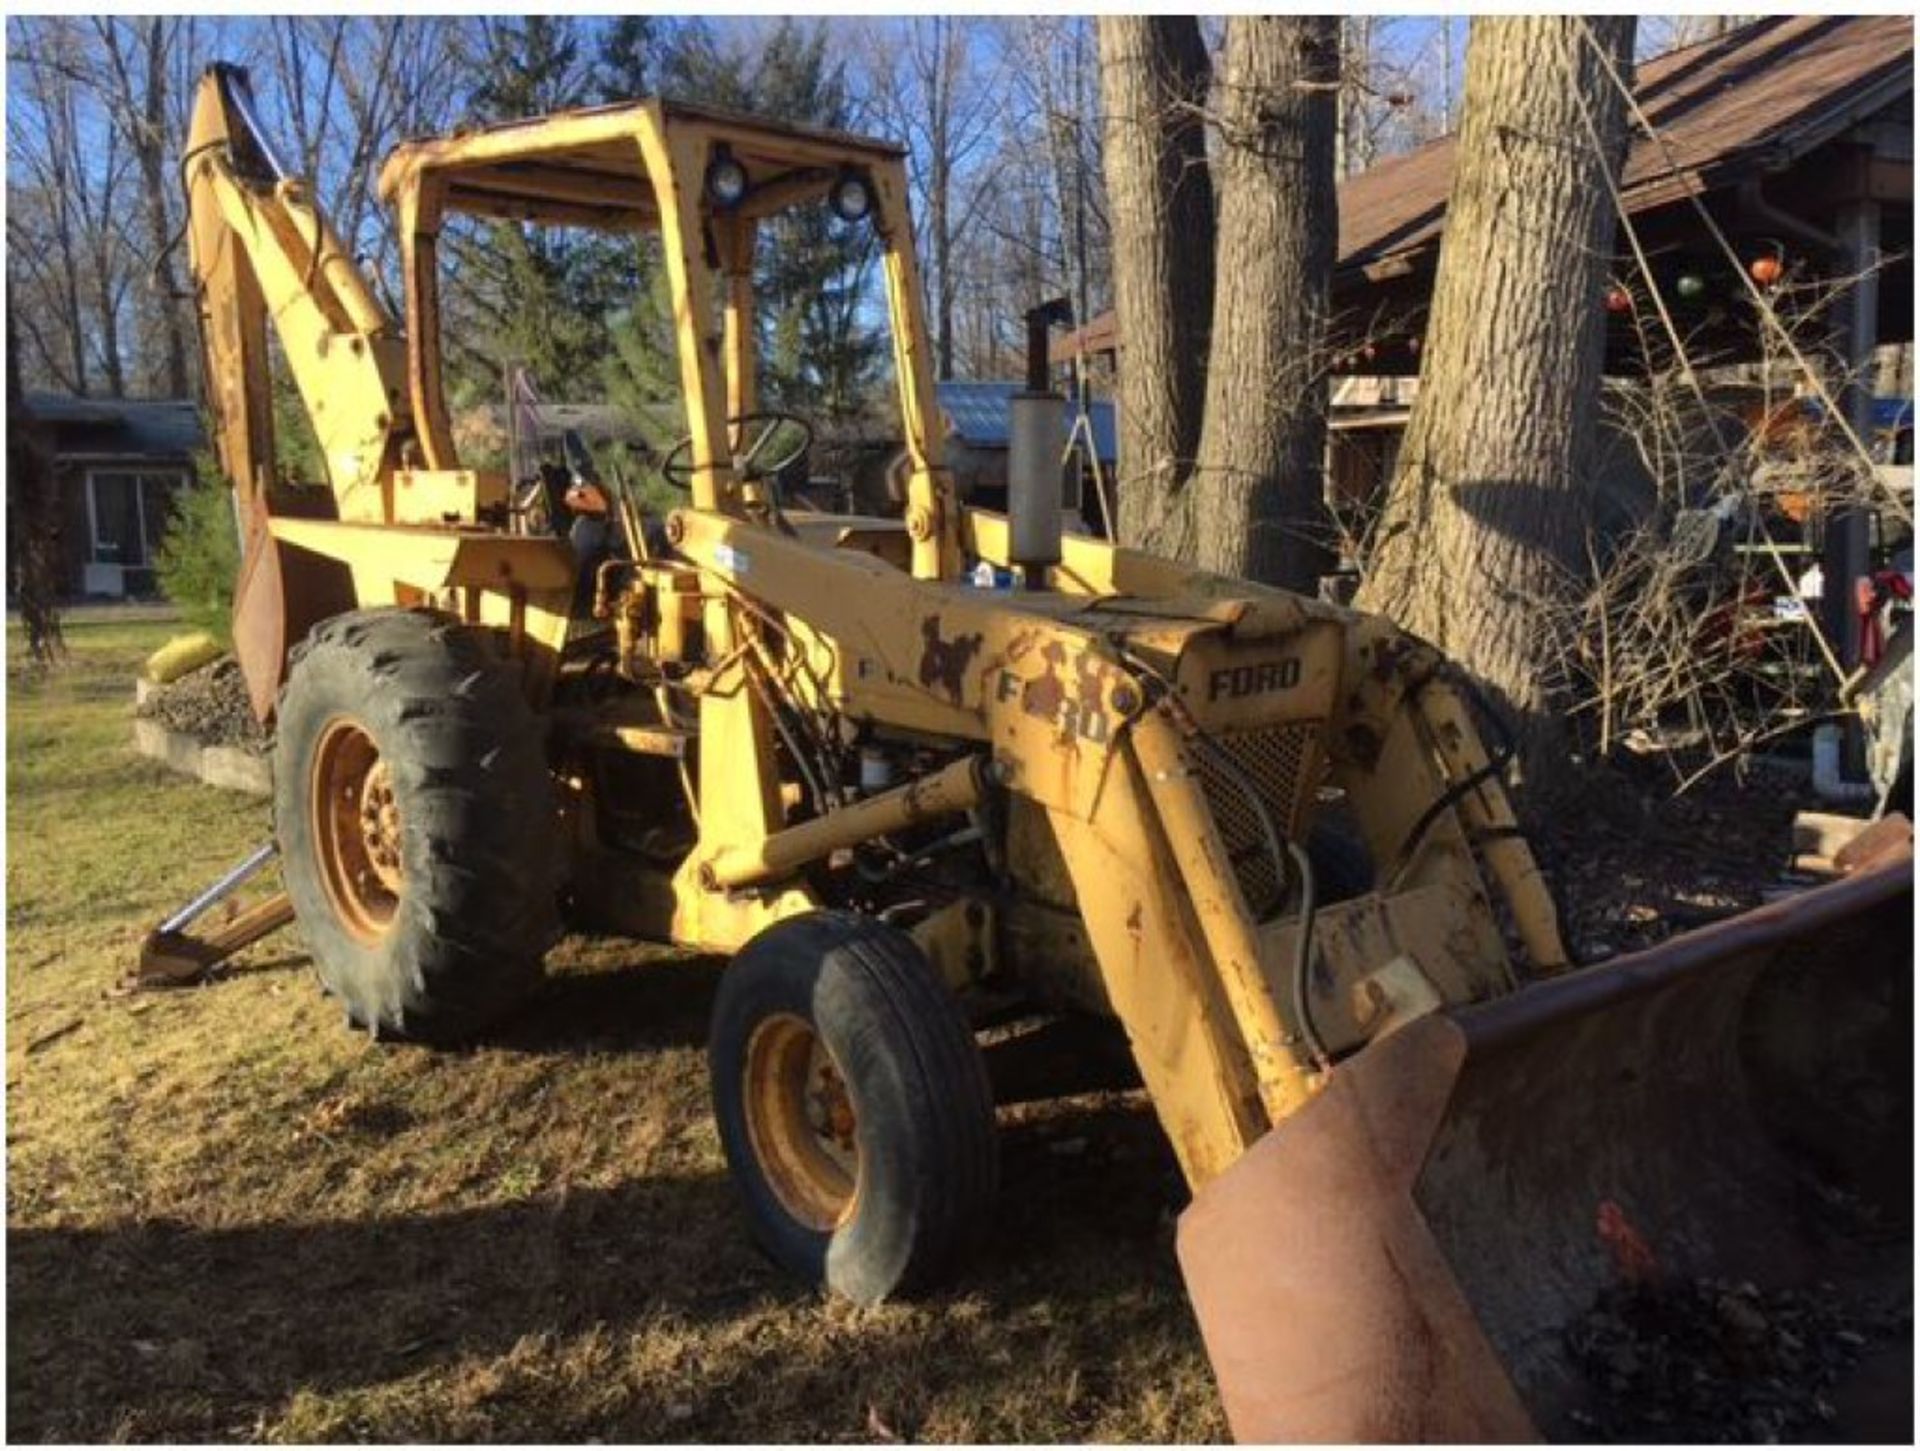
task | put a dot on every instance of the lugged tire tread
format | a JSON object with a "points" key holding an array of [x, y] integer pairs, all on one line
{"points": [[470, 948]]}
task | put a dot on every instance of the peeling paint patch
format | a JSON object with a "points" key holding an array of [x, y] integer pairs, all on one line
{"points": [[1041, 696], [1091, 680], [944, 662]]}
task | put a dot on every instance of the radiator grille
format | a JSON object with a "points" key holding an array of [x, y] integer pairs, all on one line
{"points": [[1284, 762]]}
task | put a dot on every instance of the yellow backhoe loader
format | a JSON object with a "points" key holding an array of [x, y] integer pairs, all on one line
{"points": [[915, 774]]}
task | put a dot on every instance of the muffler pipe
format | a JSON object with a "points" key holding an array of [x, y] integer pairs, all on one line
{"points": [[1037, 437], [1036, 446]]}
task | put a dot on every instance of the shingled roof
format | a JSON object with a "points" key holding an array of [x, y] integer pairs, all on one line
{"points": [[134, 428], [1751, 100]]}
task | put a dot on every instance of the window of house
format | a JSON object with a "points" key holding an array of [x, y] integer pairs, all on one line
{"points": [[128, 512]]}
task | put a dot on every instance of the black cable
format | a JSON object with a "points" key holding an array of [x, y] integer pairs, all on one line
{"points": [[1285, 850], [1497, 762]]}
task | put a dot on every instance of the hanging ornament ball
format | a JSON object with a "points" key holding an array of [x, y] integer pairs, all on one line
{"points": [[1619, 300], [1690, 285], [1766, 270], [1369, 352], [1413, 345]]}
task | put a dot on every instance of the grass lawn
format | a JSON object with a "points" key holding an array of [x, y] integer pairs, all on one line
{"points": [[230, 1217]]}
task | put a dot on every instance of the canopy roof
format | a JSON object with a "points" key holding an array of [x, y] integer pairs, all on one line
{"points": [[584, 168]]}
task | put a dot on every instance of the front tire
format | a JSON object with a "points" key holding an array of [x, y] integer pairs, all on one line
{"points": [[853, 1105], [416, 823]]}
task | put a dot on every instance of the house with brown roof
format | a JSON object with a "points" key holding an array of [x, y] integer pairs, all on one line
{"points": [[1791, 137]]}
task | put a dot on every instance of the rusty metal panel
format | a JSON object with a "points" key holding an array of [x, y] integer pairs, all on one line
{"points": [[1400, 1259]]}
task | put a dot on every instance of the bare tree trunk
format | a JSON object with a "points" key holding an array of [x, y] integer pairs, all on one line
{"points": [[1473, 546], [1258, 488], [1153, 80], [33, 520], [137, 91], [154, 156], [939, 187]]}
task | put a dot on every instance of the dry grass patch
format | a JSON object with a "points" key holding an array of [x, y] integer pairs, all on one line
{"points": [[231, 1218]]}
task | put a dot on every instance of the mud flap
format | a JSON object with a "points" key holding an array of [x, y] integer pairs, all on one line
{"points": [[1401, 1259]]}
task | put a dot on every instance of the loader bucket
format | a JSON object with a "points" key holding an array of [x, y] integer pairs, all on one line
{"points": [[1403, 1259]]}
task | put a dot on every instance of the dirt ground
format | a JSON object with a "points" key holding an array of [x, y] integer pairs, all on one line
{"points": [[1632, 864], [231, 1218]]}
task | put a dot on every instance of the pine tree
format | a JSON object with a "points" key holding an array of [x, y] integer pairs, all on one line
{"points": [[819, 355], [628, 51], [539, 296]]}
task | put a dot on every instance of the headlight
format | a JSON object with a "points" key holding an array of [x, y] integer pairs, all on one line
{"points": [[726, 180], [850, 197]]}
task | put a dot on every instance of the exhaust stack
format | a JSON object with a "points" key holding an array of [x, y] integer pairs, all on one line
{"points": [[1036, 443]]}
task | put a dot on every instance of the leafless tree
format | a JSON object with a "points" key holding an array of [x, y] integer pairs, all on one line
{"points": [[1217, 176], [348, 89], [55, 193], [937, 82], [1481, 524], [137, 71], [33, 520], [1155, 75]]}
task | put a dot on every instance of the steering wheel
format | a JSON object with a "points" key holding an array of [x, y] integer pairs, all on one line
{"points": [[752, 463]]}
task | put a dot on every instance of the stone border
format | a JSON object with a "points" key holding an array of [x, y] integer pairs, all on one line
{"points": [[227, 767]]}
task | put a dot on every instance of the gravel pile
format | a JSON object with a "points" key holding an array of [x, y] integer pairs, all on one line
{"points": [[1711, 1360], [209, 704]]}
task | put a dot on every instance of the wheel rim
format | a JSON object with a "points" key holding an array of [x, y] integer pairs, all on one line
{"points": [[356, 825], [801, 1122]]}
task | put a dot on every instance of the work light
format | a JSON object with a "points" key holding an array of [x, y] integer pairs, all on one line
{"points": [[726, 179], [850, 197]]}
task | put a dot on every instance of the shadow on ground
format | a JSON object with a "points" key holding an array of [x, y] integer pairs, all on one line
{"points": [[632, 998], [163, 1330]]}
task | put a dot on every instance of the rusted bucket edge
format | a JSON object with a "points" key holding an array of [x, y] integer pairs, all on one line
{"points": [[1886, 878]]}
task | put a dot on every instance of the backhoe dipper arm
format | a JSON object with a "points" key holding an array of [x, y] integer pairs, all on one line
{"points": [[261, 250]]}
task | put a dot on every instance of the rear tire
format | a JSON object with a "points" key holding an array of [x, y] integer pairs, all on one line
{"points": [[416, 823], [853, 1105]]}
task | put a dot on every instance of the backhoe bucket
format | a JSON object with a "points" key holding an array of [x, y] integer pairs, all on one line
{"points": [[1405, 1258], [281, 593], [260, 639]]}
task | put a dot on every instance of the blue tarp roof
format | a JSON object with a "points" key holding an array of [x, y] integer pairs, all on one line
{"points": [[1889, 414], [979, 414]]}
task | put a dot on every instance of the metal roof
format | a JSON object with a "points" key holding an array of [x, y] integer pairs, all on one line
{"points": [[978, 413], [121, 427]]}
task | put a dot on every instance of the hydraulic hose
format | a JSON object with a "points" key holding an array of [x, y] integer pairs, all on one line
{"points": [[1289, 859]]}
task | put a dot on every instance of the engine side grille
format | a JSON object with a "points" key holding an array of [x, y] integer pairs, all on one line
{"points": [[1284, 762]]}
